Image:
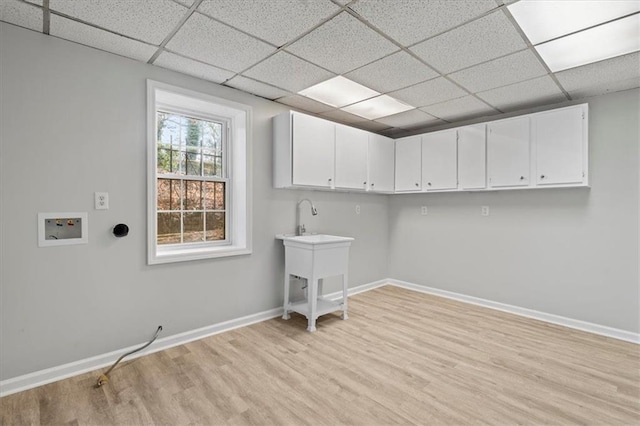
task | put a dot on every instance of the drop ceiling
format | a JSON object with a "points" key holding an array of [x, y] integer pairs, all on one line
{"points": [[451, 61]]}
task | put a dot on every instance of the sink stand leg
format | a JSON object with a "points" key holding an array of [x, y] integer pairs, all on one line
{"points": [[345, 285], [287, 281]]}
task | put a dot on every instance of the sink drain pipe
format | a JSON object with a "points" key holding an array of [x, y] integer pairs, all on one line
{"points": [[104, 378]]}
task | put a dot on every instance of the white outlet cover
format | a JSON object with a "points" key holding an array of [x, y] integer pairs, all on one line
{"points": [[484, 211], [101, 200], [357, 209], [424, 211]]}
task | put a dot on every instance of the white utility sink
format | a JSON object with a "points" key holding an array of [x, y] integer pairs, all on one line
{"points": [[315, 257]]}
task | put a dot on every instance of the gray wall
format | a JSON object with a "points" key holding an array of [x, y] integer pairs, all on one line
{"points": [[569, 252], [72, 123]]}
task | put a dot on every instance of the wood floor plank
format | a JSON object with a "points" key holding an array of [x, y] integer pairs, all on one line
{"points": [[401, 358]]}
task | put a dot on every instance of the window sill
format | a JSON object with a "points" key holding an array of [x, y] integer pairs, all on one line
{"points": [[185, 255]]}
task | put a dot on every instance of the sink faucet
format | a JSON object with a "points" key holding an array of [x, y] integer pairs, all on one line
{"points": [[300, 229]]}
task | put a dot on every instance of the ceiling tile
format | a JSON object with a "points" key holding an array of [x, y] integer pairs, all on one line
{"points": [[371, 126], [305, 104], [218, 44], [339, 115], [429, 93], [144, 20], [510, 69], [459, 109], [191, 67], [410, 21], [255, 87], [21, 14], [100, 39], [479, 41], [603, 89], [407, 120], [601, 73], [187, 3], [342, 44], [392, 73], [288, 72], [541, 90], [277, 22]]}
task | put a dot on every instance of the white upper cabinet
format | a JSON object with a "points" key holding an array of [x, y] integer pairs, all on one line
{"points": [[508, 152], [408, 167], [538, 150], [439, 161], [351, 157], [381, 163], [559, 138], [472, 157], [313, 151]]}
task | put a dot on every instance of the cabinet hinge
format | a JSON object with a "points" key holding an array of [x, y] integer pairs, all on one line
{"points": [[583, 115]]}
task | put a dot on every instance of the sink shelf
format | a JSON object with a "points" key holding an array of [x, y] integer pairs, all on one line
{"points": [[324, 306]]}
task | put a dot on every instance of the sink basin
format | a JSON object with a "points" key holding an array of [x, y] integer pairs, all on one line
{"points": [[314, 239]]}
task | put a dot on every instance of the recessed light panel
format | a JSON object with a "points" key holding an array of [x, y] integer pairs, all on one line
{"points": [[545, 20], [378, 107], [602, 42], [338, 92]]}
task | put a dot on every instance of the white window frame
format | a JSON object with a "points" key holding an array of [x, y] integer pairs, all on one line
{"points": [[162, 96]]}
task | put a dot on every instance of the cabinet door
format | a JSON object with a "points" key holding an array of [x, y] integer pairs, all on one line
{"points": [[408, 160], [381, 163], [559, 142], [508, 152], [313, 151], [439, 161], [472, 157], [351, 157]]}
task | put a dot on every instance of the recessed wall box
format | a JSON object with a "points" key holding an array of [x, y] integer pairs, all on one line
{"points": [[59, 229]]}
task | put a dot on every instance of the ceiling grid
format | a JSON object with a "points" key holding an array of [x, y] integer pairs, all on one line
{"points": [[448, 61]]}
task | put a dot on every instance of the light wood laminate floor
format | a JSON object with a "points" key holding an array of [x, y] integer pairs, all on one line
{"points": [[401, 358]]}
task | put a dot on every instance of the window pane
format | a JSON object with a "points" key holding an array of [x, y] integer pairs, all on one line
{"points": [[209, 166], [168, 228], [193, 195], [214, 196], [169, 194], [215, 227], [193, 159], [212, 137], [193, 227], [193, 132]]}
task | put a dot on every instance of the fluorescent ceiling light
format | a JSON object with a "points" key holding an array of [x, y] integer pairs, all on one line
{"points": [[377, 107], [338, 92], [545, 20], [592, 45]]}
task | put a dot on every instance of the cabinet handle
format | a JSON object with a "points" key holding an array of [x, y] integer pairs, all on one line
{"points": [[521, 177], [330, 179], [365, 182], [429, 183], [372, 184], [542, 176], [417, 184]]}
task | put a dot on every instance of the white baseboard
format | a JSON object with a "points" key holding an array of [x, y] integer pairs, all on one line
{"points": [[602, 330], [359, 289], [53, 374]]}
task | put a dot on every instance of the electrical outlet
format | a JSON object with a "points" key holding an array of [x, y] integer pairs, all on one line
{"points": [[102, 200], [357, 209], [484, 211], [424, 211]]}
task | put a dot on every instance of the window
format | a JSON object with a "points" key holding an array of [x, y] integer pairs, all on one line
{"points": [[198, 175]]}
